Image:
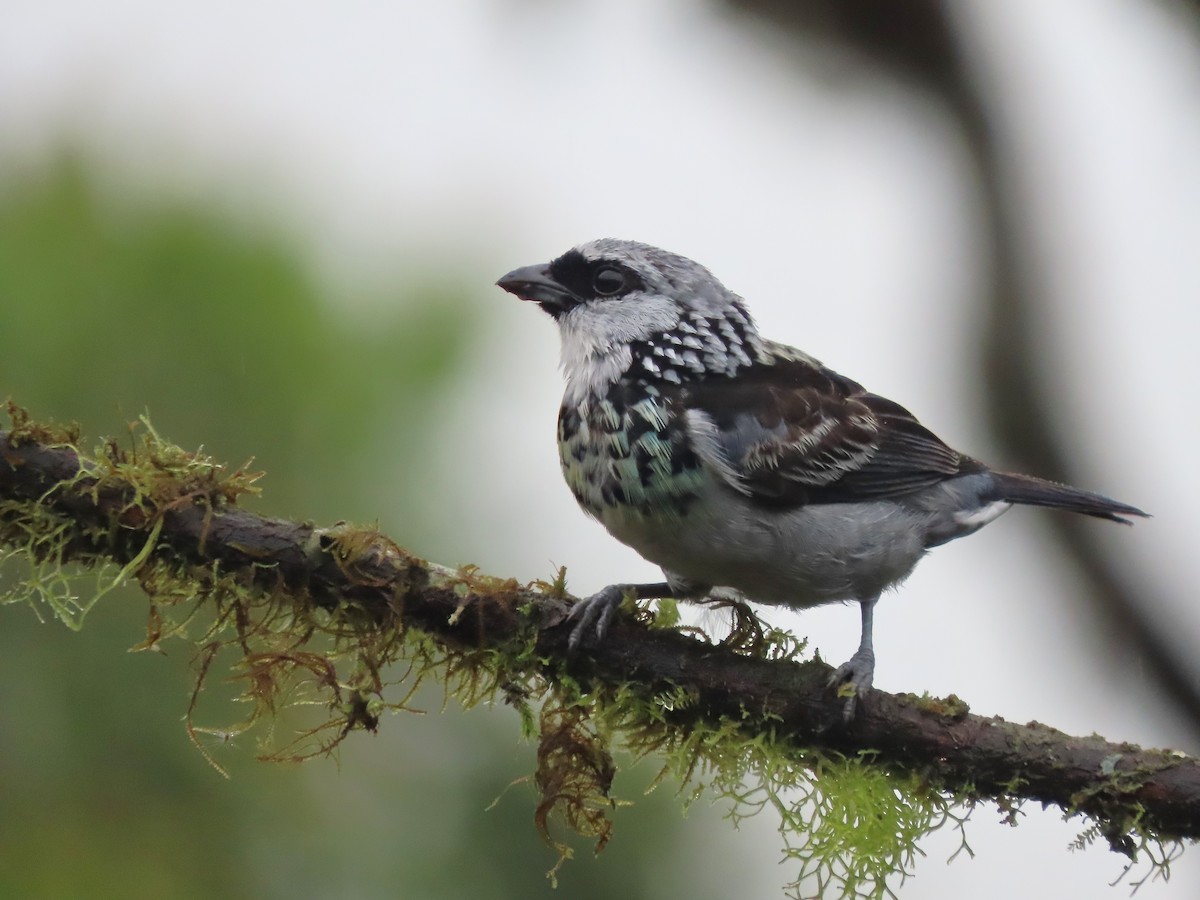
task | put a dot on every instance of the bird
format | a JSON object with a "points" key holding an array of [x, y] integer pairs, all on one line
{"points": [[739, 464]]}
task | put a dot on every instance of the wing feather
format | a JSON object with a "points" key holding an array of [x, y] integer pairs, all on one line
{"points": [[790, 432]]}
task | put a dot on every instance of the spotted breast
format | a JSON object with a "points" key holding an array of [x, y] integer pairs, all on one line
{"points": [[625, 455]]}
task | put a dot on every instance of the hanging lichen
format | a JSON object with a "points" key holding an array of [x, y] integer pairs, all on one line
{"points": [[293, 649]]}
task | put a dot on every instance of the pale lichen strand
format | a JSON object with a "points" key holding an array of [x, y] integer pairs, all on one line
{"points": [[851, 827], [36, 539]]}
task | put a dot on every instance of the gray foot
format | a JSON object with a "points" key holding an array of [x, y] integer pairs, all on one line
{"points": [[857, 673], [592, 615]]}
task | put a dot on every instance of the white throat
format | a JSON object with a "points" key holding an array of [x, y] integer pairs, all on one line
{"points": [[596, 338], [590, 368]]}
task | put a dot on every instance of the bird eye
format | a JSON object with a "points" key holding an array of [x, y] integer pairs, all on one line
{"points": [[607, 281]]}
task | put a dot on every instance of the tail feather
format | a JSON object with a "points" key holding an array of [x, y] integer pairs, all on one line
{"points": [[1026, 489]]}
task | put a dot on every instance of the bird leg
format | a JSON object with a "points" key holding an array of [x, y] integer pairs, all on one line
{"points": [[859, 670], [591, 616]]}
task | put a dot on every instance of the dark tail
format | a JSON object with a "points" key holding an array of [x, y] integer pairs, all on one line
{"points": [[1038, 492]]}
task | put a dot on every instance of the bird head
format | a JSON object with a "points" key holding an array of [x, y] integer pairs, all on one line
{"points": [[626, 309]]}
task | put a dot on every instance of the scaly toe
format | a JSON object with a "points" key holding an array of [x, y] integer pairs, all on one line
{"points": [[592, 615], [853, 679]]}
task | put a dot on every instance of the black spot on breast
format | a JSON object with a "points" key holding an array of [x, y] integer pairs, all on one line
{"points": [[639, 427], [682, 458], [613, 493]]}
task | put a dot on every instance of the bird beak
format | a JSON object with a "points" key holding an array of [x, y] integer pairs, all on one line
{"points": [[535, 283]]}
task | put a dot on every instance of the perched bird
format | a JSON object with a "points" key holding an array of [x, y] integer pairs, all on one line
{"points": [[739, 463]]}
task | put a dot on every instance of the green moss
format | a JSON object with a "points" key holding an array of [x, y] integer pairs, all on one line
{"points": [[305, 675], [951, 707], [22, 429], [851, 827], [38, 538]]}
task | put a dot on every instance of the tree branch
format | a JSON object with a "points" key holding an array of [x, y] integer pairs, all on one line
{"points": [[107, 512]]}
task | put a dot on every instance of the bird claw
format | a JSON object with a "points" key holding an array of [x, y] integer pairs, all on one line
{"points": [[593, 614], [853, 680]]}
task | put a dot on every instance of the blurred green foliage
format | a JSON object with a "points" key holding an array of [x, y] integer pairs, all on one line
{"points": [[112, 307]]}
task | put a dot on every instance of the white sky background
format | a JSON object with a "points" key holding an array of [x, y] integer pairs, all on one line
{"points": [[494, 134]]}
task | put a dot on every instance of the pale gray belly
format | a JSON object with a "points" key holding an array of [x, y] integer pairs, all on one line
{"points": [[801, 557]]}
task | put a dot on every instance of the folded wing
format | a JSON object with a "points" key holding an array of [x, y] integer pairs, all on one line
{"points": [[791, 432]]}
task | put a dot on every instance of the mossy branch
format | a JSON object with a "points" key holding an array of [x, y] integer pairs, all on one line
{"points": [[738, 710]]}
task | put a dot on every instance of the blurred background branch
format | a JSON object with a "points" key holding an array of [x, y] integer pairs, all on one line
{"points": [[923, 41]]}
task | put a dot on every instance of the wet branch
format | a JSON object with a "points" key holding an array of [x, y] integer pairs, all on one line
{"points": [[1118, 785]]}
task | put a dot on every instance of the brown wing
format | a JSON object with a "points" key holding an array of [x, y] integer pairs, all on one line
{"points": [[792, 432]]}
